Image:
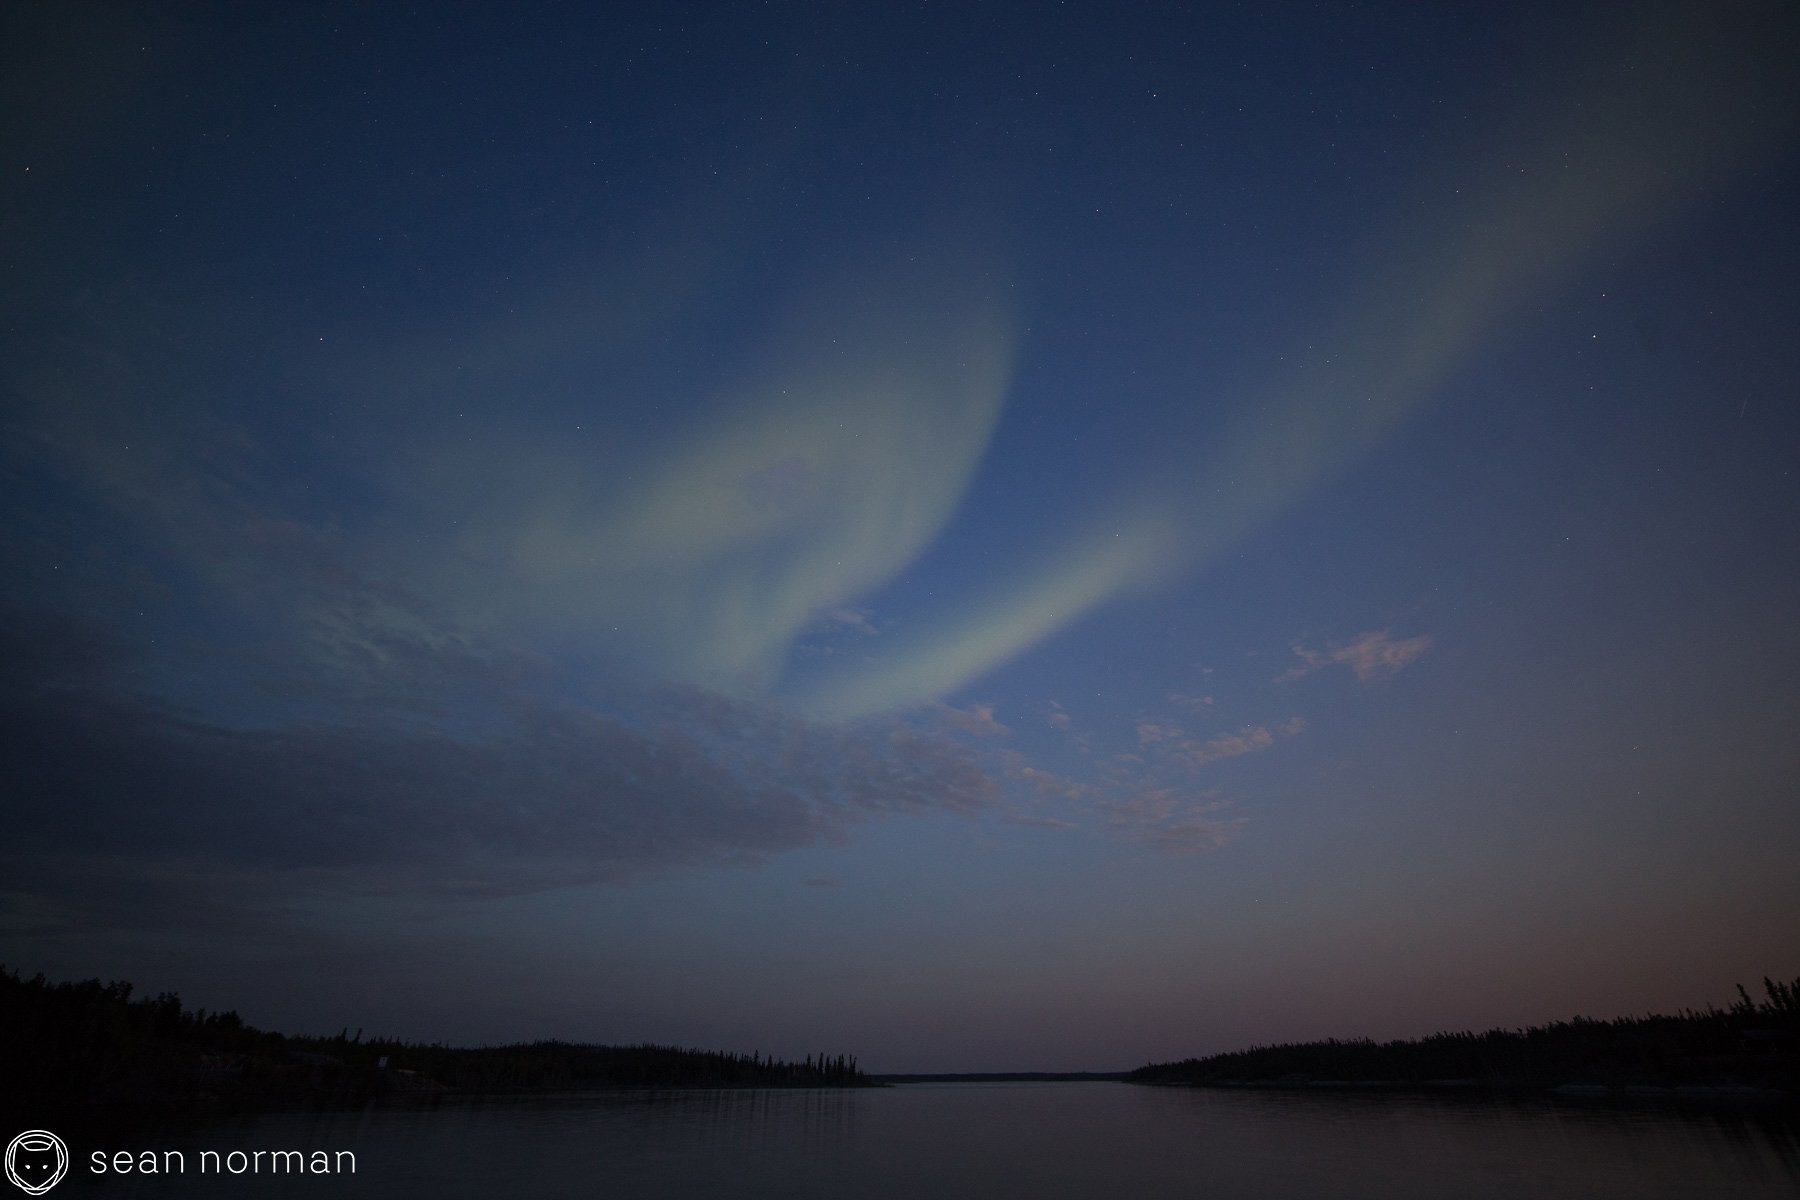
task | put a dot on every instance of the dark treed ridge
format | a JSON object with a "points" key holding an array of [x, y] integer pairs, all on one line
{"points": [[1752, 1044], [91, 1043]]}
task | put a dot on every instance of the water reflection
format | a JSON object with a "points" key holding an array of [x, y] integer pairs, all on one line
{"points": [[982, 1140]]}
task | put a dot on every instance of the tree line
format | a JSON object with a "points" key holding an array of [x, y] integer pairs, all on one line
{"points": [[1752, 1043], [95, 1043]]}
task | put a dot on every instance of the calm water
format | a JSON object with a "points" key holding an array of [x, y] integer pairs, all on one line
{"points": [[1042, 1140]]}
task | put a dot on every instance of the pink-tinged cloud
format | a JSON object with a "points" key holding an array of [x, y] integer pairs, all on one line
{"points": [[1151, 732], [977, 719], [1058, 718], [1196, 753], [1168, 743], [1150, 804], [1196, 835], [1042, 784], [1369, 655], [1056, 823], [1173, 820]]}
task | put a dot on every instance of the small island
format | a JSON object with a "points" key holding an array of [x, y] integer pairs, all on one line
{"points": [[91, 1044], [1750, 1050]]}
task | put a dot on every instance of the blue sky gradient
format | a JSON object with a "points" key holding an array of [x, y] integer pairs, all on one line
{"points": [[991, 536]]}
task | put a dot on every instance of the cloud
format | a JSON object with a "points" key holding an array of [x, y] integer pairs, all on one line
{"points": [[1629, 139], [1370, 655], [1195, 834], [450, 770], [1151, 732], [1170, 743], [1248, 740], [500, 789], [1167, 819], [1056, 823], [1046, 785], [1174, 820], [1618, 148], [977, 719], [321, 729], [691, 550]]}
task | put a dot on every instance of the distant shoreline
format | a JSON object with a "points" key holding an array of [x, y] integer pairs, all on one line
{"points": [[91, 1044], [1681, 1094], [1004, 1077], [1748, 1052]]}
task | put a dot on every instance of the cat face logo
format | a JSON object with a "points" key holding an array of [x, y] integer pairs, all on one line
{"points": [[36, 1160]]}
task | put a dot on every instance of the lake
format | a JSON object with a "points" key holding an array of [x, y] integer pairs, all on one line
{"points": [[1036, 1140]]}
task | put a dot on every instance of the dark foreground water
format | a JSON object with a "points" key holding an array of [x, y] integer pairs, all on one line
{"points": [[1038, 1140]]}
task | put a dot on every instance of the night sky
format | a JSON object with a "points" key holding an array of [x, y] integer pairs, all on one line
{"points": [[982, 536]]}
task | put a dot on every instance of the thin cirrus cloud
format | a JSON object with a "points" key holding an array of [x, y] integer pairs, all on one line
{"points": [[1174, 820], [487, 789], [377, 802], [977, 720], [399, 727], [1369, 656], [1169, 742]]}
